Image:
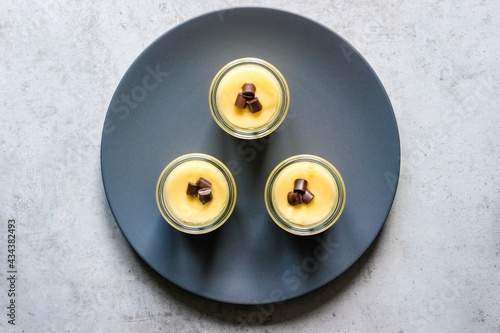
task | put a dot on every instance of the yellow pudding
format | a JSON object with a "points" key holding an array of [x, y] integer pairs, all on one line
{"points": [[319, 181], [267, 90], [190, 209], [323, 180], [271, 91], [188, 213]]}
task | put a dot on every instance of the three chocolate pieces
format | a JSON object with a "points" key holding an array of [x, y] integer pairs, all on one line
{"points": [[247, 97], [300, 193], [201, 189]]}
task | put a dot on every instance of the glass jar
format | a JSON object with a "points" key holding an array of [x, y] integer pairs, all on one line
{"points": [[271, 91], [323, 181], [188, 213]]}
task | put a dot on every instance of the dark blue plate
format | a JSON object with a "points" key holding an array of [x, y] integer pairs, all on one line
{"points": [[339, 110]]}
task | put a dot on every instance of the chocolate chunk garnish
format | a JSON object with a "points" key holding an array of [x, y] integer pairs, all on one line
{"points": [[307, 196], [205, 195], [241, 101], [254, 105], [300, 185], [203, 183], [294, 198], [201, 189], [192, 189], [247, 97], [248, 90], [300, 193]]}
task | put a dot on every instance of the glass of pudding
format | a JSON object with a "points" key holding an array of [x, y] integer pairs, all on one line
{"points": [[196, 193], [269, 88], [305, 194]]}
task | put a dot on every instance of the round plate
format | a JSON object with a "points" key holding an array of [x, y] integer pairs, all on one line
{"points": [[339, 110]]}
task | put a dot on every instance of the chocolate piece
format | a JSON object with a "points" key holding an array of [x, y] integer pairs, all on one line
{"points": [[307, 196], [254, 105], [248, 95], [294, 198], [205, 195], [248, 90], [300, 185], [300, 193], [241, 101], [203, 183], [192, 189]]}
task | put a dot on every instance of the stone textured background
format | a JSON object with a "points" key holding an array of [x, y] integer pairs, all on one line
{"points": [[435, 266]]}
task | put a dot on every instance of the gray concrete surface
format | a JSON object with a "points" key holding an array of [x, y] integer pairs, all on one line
{"points": [[435, 266]]}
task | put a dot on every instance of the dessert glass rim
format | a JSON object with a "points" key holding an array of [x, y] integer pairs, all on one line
{"points": [[171, 218], [335, 212], [253, 133]]}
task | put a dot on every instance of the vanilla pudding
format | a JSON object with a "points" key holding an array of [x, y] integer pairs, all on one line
{"points": [[267, 88], [271, 91], [188, 212], [319, 212]]}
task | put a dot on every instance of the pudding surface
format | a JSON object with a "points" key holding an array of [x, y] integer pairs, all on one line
{"points": [[189, 209], [319, 181], [267, 90]]}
